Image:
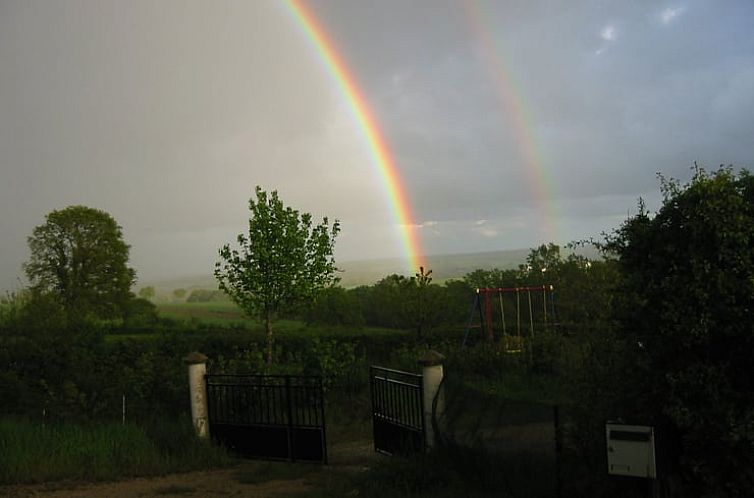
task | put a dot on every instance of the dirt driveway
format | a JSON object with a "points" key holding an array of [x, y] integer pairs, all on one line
{"points": [[252, 479]]}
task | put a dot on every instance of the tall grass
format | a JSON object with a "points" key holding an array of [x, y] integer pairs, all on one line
{"points": [[32, 452]]}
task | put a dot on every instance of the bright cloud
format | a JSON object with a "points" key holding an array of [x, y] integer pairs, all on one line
{"points": [[608, 33], [667, 15]]}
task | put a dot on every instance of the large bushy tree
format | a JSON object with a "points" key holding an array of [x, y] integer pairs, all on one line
{"points": [[686, 309], [78, 256], [283, 260]]}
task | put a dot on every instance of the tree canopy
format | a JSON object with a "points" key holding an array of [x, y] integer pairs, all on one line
{"points": [[284, 260], [78, 256], [685, 306]]}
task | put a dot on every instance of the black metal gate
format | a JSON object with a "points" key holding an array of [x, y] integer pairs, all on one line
{"points": [[397, 411], [268, 416]]}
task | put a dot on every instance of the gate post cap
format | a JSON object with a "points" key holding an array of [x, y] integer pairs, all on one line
{"points": [[195, 357], [431, 358]]}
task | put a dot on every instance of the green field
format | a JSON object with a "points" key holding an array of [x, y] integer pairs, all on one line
{"points": [[213, 313]]}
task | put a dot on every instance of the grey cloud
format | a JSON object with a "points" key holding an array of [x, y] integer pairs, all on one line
{"points": [[167, 114]]}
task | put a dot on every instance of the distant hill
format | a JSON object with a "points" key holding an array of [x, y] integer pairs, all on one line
{"points": [[367, 272], [444, 267]]}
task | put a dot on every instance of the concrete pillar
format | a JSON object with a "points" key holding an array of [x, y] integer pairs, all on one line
{"points": [[432, 374], [197, 368]]}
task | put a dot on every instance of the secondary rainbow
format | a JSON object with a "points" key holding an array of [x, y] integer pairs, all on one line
{"points": [[513, 102], [378, 148]]}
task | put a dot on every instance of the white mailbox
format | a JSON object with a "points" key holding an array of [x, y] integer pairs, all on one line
{"points": [[631, 450]]}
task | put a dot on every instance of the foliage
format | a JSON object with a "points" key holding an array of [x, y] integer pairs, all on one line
{"points": [[78, 255], [205, 296], [179, 294], [139, 313], [421, 313], [147, 292], [685, 300], [385, 303], [336, 361], [335, 306], [283, 260], [414, 303]]}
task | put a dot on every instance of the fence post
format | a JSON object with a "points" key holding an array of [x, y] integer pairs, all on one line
{"points": [[197, 368], [432, 374]]}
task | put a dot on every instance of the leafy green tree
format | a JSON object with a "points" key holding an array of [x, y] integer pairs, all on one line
{"points": [[685, 310], [78, 255], [542, 267], [386, 303], [179, 294], [282, 261], [493, 278], [422, 315], [139, 313], [206, 296], [147, 292], [335, 306]]}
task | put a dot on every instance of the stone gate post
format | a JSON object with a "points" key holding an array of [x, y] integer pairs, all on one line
{"points": [[432, 374], [197, 368]]}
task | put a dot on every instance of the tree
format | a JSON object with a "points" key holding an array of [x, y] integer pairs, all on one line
{"points": [[422, 279], [685, 306], [179, 294], [147, 292], [283, 261], [335, 306], [139, 313], [206, 296], [78, 255]]}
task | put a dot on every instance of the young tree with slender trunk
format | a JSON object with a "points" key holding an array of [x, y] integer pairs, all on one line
{"points": [[282, 261]]}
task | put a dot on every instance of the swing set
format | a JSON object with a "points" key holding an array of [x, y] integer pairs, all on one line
{"points": [[538, 313]]}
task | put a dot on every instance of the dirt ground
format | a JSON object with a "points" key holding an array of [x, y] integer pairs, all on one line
{"points": [[249, 478]]}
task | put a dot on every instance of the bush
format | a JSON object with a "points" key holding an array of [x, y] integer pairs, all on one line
{"points": [[206, 296], [336, 306], [684, 314], [139, 313]]}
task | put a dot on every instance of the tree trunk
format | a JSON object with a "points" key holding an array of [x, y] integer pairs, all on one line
{"points": [[268, 327]]}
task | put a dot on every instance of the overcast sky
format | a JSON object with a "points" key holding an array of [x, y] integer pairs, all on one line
{"points": [[166, 114]]}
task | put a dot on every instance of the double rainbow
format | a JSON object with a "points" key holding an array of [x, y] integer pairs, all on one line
{"points": [[376, 144], [512, 100]]}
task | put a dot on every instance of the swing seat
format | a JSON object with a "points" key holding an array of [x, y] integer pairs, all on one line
{"points": [[513, 344]]}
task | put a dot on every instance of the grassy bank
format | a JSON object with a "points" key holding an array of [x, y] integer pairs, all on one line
{"points": [[32, 452]]}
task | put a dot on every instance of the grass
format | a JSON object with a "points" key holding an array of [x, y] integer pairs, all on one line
{"points": [[209, 313], [100, 451], [219, 317]]}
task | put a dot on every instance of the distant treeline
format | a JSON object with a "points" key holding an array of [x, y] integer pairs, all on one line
{"points": [[581, 292]]}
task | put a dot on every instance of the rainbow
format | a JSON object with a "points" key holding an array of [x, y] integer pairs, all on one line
{"points": [[377, 146], [512, 100]]}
